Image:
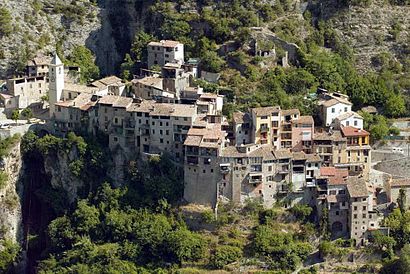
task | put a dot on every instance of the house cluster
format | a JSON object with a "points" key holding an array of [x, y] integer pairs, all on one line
{"points": [[269, 154], [31, 90]]}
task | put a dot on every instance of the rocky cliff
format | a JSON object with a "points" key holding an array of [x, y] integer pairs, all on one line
{"points": [[11, 191], [39, 26]]}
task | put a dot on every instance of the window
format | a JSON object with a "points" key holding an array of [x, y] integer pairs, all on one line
{"points": [[204, 171], [160, 132], [167, 132], [333, 110], [354, 216], [347, 123], [160, 124], [212, 171], [364, 207], [153, 123], [153, 131], [364, 216], [355, 123], [337, 213], [345, 109], [115, 139], [116, 120], [161, 141], [355, 208], [185, 119]]}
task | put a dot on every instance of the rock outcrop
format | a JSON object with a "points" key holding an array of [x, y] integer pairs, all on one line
{"points": [[11, 193]]}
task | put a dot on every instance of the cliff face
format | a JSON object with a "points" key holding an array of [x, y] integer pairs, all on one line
{"points": [[11, 193], [107, 28]]}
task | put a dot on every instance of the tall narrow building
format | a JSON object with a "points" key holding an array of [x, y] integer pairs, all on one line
{"points": [[56, 84]]}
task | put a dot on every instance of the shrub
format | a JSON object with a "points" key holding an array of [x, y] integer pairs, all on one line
{"points": [[5, 22], [224, 255], [301, 212]]}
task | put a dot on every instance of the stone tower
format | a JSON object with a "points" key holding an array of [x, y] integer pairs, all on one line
{"points": [[56, 83]]}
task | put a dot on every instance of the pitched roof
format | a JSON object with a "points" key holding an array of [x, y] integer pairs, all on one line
{"points": [[327, 171], [107, 81], [350, 131], [313, 158], [335, 135], [402, 182], [56, 60], [165, 43], [334, 101], [349, 114], [80, 88], [282, 154], [299, 156], [292, 111], [149, 81], [39, 61], [240, 118], [265, 111], [304, 120], [357, 187], [115, 101]]}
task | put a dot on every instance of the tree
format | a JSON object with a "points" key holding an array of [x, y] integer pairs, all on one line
{"points": [[27, 113], [395, 106], [139, 46], [15, 115], [5, 22], [211, 62], [186, 245], [401, 200], [8, 254], [384, 243], [84, 58]]}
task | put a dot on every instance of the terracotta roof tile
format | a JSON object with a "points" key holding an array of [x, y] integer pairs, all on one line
{"points": [[353, 132]]}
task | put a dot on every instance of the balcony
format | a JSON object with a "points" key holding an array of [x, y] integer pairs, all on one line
{"points": [[264, 129], [287, 128], [255, 178], [225, 168], [192, 151], [192, 160], [283, 170]]}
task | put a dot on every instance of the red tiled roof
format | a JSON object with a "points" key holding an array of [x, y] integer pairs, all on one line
{"points": [[327, 171], [352, 131]]}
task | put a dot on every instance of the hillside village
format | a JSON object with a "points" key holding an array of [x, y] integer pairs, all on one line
{"points": [[267, 154]]}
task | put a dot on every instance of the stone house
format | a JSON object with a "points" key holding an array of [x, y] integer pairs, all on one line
{"points": [[348, 119], [203, 146], [165, 51], [333, 105], [27, 91], [303, 130], [393, 187]]}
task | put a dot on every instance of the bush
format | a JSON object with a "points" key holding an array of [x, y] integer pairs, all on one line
{"points": [[224, 255], [301, 212]]}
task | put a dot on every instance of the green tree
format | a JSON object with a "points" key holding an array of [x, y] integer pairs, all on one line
{"points": [[139, 46], [212, 62], [186, 245], [27, 113], [395, 106], [8, 254], [384, 243], [15, 115], [6, 27], [84, 58], [401, 200]]}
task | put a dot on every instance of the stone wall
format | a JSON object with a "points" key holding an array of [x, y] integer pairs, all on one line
{"points": [[399, 168]]}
